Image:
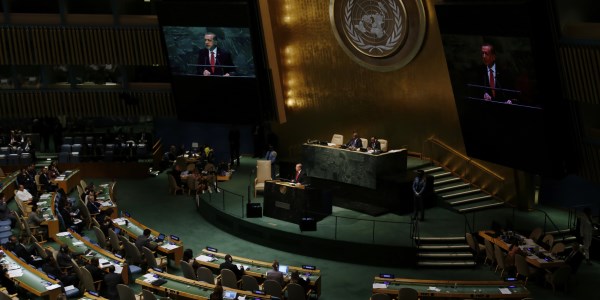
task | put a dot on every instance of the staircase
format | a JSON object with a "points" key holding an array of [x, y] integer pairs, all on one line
{"points": [[459, 195], [444, 252]]}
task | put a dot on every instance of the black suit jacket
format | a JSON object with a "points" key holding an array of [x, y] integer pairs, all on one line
{"points": [[223, 62], [503, 80], [302, 178], [375, 146], [356, 143], [111, 280]]}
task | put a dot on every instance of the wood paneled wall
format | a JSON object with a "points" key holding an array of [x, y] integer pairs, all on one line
{"points": [[75, 45]]}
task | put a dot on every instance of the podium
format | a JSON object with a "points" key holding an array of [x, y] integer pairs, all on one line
{"points": [[288, 202]]}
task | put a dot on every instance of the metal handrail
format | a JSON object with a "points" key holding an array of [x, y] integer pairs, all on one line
{"points": [[547, 217]]}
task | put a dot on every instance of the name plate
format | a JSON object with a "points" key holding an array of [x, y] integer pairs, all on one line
{"points": [[282, 205]]}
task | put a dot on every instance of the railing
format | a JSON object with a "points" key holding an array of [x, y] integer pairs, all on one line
{"points": [[342, 228], [464, 167]]}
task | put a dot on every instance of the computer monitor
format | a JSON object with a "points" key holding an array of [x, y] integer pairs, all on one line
{"points": [[229, 294], [160, 238], [283, 269]]}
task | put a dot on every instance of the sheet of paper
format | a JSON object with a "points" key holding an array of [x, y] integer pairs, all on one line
{"points": [[64, 233], [204, 258], [379, 286], [54, 286], [504, 291]]}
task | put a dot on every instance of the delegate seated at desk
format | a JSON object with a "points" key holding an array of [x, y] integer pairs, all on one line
{"points": [[355, 142]]}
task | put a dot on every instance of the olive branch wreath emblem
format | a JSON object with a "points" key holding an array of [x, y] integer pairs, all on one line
{"points": [[359, 41]]}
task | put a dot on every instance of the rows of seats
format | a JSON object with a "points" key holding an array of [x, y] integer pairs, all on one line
{"points": [[14, 159]]}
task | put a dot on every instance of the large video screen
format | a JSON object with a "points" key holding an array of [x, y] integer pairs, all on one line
{"points": [[216, 56], [205, 51], [504, 80]]}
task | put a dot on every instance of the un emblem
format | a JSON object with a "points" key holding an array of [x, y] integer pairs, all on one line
{"points": [[382, 35]]}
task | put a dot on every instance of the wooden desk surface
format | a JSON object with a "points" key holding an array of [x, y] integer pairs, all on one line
{"points": [[70, 181], [50, 219], [32, 280], [532, 259], [463, 289], [134, 228], [258, 269]]}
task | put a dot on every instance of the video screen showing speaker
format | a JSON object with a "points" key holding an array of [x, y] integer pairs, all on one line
{"points": [[216, 57], [504, 80]]}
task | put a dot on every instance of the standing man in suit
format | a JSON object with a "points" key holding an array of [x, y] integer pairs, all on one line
{"points": [[494, 79], [418, 189], [355, 142], [300, 175], [214, 60], [111, 280]]}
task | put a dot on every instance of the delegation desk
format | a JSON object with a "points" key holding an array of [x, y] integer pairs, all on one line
{"points": [[170, 247], [351, 167], [258, 269], [32, 280], [106, 197], [8, 185], [448, 289], [46, 205], [290, 202], [80, 246], [533, 259], [68, 180], [184, 288]]}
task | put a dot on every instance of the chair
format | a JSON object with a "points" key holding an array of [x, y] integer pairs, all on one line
{"points": [[132, 253], [65, 148], [295, 292], [80, 191], [272, 288], [87, 280], [173, 187], [383, 144], [68, 140], [536, 234], [548, 240], [76, 148], [155, 262], [380, 296], [40, 187], [5, 231], [63, 157], [148, 295], [228, 279], [5, 296], [187, 270], [478, 249], [114, 241], [499, 255], [31, 232], [100, 237], [126, 293], [558, 248], [522, 267], [83, 184], [85, 214], [3, 160], [489, 252], [407, 294], [2, 175], [559, 277], [249, 283], [365, 142], [25, 158], [112, 191], [337, 139], [205, 274], [192, 185], [13, 159], [263, 173]]}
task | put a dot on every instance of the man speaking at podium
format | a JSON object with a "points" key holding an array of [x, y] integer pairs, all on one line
{"points": [[300, 176], [213, 60]]}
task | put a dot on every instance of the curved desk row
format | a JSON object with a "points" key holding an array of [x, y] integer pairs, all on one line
{"points": [[452, 288], [184, 288], [170, 247], [258, 269], [29, 278]]}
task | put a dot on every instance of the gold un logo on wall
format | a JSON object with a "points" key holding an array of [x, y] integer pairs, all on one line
{"points": [[381, 35]]}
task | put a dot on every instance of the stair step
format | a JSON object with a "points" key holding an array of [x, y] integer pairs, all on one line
{"points": [[452, 187], [490, 204], [444, 239], [462, 193], [445, 255], [562, 232], [443, 247], [462, 263], [441, 175], [432, 170], [446, 181], [470, 200]]}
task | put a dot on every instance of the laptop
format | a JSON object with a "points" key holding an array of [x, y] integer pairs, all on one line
{"points": [[229, 295], [283, 269], [160, 238]]}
